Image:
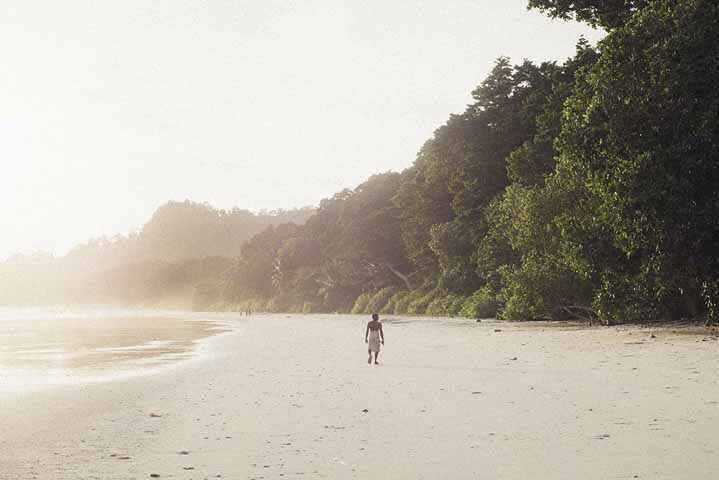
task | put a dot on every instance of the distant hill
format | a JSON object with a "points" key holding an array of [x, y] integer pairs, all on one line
{"points": [[181, 245], [180, 231]]}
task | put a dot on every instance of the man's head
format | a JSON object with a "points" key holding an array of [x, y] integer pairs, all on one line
{"points": [[375, 317]]}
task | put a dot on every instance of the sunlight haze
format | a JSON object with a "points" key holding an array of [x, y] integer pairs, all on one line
{"points": [[110, 109]]}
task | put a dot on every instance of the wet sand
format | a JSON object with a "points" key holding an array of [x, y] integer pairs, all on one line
{"points": [[293, 397]]}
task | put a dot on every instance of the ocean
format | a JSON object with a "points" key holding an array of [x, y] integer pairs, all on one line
{"points": [[42, 347]]}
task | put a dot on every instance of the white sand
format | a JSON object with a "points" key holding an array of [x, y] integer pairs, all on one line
{"points": [[284, 397]]}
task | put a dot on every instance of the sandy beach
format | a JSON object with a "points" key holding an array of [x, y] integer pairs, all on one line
{"points": [[291, 396]]}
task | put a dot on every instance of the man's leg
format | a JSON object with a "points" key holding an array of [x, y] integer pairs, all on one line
{"points": [[376, 354], [369, 356]]}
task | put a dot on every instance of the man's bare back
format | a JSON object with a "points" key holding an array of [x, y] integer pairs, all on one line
{"points": [[373, 337]]}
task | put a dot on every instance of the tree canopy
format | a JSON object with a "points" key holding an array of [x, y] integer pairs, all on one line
{"points": [[605, 13]]}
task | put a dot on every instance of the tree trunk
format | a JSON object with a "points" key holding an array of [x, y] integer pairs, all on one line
{"points": [[399, 275]]}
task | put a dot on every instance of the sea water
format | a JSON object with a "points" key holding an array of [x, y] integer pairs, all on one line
{"points": [[42, 347]]}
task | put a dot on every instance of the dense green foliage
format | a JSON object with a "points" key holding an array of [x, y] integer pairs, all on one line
{"points": [[640, 139], [605, 13], [349, 247], [589, 185]]}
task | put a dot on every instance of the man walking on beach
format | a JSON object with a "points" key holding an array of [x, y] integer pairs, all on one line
{"points": [[373, 336]]}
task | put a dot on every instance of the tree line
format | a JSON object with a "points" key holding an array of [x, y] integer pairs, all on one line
{"points": [[588, 187]]}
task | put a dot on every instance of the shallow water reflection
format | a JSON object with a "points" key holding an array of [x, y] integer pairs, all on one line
{"points": [[55, 347]]}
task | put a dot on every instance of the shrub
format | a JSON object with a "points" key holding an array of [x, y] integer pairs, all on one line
{"points": [[360, 305], [445, 304], [378, 301], [438, 307], [419, 305], [455, 305], [481, 304], [627, 298], [710, 295], [391, 304], [402, 304], [310, 307]]}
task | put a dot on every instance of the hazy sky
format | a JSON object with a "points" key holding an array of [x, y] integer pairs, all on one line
{"points": [[110, 108]]}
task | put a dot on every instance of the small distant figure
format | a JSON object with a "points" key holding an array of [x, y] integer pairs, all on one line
{"points": [[373, 337]]}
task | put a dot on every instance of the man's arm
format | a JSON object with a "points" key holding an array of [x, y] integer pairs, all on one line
{"points": [[366, 333], [381, 333]]}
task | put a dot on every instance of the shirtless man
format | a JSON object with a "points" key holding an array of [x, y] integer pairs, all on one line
{"points": [[373, 336]]}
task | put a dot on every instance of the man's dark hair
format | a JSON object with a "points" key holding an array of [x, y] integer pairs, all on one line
{"points": [[375, 316]]}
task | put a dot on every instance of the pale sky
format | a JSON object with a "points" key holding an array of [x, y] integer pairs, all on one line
{"points": [[110, 108]]}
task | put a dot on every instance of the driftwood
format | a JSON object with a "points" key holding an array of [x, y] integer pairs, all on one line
{"points": [[576, 312]]}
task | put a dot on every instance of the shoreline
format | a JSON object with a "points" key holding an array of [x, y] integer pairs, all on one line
{"points": [[93, 346]]}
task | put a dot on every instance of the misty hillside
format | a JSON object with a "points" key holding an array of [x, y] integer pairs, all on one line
{"points": [[181, 244], [179, 231]]}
